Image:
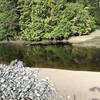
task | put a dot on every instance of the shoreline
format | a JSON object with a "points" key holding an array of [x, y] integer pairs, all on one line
{"points": [[91, 40], [43, 42], [70, 85]]}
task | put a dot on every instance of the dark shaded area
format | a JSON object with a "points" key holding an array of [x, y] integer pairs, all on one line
{"points": [[53, 56]]}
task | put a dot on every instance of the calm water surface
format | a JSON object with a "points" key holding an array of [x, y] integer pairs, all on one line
{"points": [[53, 56]]}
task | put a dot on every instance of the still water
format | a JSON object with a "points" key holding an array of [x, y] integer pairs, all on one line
{"points": [[52, 56]]}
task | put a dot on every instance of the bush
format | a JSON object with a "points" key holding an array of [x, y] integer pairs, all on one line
{"points": [[75, 20], [94, 8], [8, 18], [50, 19]]}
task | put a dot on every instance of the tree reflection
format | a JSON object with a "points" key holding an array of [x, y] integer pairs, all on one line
{"points": [[56, 56]]}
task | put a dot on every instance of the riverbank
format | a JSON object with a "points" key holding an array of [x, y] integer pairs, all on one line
{"points": [[91, 40], [70, 85], [74, 85], [43, 42]]}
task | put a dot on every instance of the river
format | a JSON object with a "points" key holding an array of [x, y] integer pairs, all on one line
{"points": [[53, 56]]}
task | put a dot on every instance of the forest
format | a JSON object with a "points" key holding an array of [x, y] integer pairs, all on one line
{"points": [[36, 20]]}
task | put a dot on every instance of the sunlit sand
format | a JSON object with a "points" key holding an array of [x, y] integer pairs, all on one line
{"points": [[74, 85]]}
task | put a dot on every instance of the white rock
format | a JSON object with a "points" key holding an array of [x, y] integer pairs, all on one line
{"points": [[2, 80]]}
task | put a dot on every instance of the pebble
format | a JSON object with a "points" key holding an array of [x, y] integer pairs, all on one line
{"points": [[2, 80]]}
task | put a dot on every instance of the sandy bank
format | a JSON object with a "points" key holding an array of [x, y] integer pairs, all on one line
{"points": [[77, 84], [91, 40]]}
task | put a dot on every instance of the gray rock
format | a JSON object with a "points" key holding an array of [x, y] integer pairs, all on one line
{"points": [[21, 83]]}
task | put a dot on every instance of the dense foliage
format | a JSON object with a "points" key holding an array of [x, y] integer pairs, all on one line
{"points": [[94, 8], [50, 19], [47, 19], [8, 18]]}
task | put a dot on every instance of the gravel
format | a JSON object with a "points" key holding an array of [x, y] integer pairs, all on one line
{"points": [[18, 82]]}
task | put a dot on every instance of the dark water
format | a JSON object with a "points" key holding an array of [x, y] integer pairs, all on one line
{"points": [[55, 56]]}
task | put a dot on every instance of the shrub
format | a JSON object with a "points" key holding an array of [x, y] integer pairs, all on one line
{"points": [[8, 18], [50, 19], [75, 20], [94, 8]]}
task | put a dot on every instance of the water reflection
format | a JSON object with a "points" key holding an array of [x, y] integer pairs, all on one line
{"points": [[56, 56]]}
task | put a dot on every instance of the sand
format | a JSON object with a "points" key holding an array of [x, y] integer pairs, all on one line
{"points": [[74, 85], [91, 40]]}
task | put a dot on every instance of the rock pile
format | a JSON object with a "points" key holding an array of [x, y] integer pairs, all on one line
{"points": [[21, 83]]}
